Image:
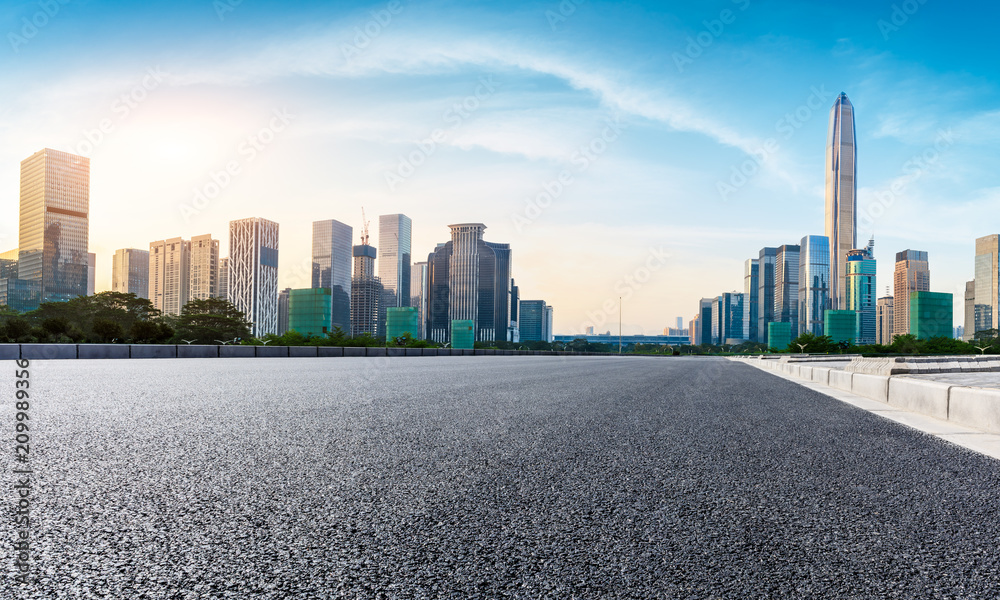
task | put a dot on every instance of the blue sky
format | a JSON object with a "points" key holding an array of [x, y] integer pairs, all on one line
{"points": [[599, 139]]}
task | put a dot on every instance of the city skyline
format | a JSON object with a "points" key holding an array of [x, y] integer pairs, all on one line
{"points": [[294, 127]]}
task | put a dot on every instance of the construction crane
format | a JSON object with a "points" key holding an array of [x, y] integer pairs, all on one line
{"points": [[364, 233]]}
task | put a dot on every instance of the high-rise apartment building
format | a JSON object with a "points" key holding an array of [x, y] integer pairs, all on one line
{"points": [[130, 272], [765, 295], [841, 195], [786, 286], [883, 321], [861, 291], [394, 233], [169, 275], [987, 286], [366, 292], [253, 272], [814, 283], [54, 223], [912, 274], [751, 292], [418, 296], [332, 243], [204, 268], [550, 334], [224, 278]]}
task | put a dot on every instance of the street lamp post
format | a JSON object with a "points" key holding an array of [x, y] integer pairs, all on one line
{"points": [[619, 324]]}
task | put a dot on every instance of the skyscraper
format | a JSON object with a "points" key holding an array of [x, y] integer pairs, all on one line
{"points": [[751, 292], [130, 272], [204, 269], [253, 272], [912, 274], [861, 291], [331, 268], [394, 232], [418, 296], [549, 324], [969, 327], [727, 318], [366, 292], [54, 223], [765, 295], [224, 278], [987, 287], [814, 283], [283, 309], [883, 321], [533, 320], [841, 195], [786, 287], [169, 275], [91, 273], [704, 324]]}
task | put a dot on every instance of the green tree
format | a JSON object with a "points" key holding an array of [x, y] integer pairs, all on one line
{"points": [[210, 320], [905, 344], [813, 344]]}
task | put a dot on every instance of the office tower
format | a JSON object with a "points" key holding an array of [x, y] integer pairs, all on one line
{"points": [[418, 296], [549, 324], [20, 294], [253, 272], [779, 335], [91, 273], [814, 283], [959, 333], [705, 321], [515, 302], [533, 321], [912, 274], [8, 264], [469, 279], [987, 286], [931, 314], [765, 294], [861, 291], [204, 269], [394, 233], [309, 311], [169, 275], [969, 329], [284, 308], [130, 272], [400, 321], [727, 319], [751, 292], [786, 286], [694, 328], [366, 291], [841, 195], [841, 326], [224, 278], [680, 322], [331, 268], [883, 321], [54, 223]]}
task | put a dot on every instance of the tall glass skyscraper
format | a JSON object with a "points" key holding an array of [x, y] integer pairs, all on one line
{"points": [[394, 232], [751, 293], [841, 195], [331, 268], [253, 272], [786, 287], [986, 305], [418, 296], [912, 274], [54, 223], [861, 292], [130, 272], [814, 283], [765, 295]]}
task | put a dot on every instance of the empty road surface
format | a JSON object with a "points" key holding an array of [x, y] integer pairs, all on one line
{"points": [[485, 477]]}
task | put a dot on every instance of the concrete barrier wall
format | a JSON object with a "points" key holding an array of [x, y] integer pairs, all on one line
{"points": [[191, 351], [152, 351], [354, 352], [922, 396], [237, 352], [873, 387], [841, 380], [331, 352], [48, 351], [10, 351], [303, 351], [975, 407], [102, 351], [821, 375], [271, 351]]}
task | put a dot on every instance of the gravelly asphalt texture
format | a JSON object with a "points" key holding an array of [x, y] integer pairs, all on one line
{"points": [[489, 477]]}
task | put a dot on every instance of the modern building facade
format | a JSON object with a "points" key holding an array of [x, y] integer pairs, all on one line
{"points": [[418, 296], [309, 311], [533, 321], [727, 319], [861, 291], [986, 304], [284, 310], [841, 195], [931, 315], [814, 283], [969, 326], [20, 294], [765, 295], [841, 326], [332, 243], [253, 272], [91, 273], [130, 272], [169, 275], [779, 335], [751, 294], [549, 323], [54, 229], [366, 292], [204, 268], [400, 321], [394, 234], [786, 286], [883, 320], [224, 279], [912, 274], [704, 323]]}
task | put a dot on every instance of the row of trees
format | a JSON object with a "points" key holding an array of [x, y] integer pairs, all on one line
{"points": [[986, 342]]}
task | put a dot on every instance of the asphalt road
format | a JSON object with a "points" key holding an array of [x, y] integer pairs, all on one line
{"points": [[487, 477]]}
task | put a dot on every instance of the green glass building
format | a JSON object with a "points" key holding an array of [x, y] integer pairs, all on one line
{"points": [[400, 321], [779, 335], [463, 334], [309, 311], [931, 315], [841, 325]]}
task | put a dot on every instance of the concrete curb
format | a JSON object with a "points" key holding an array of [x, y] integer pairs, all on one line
{"points": [[925, 397]]}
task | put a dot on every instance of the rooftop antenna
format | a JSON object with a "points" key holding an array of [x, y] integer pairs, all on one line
{"points": [[364, 234]]}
